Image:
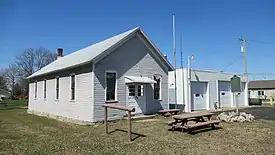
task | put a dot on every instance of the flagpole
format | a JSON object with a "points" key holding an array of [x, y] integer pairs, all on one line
{"points": [[175, 59]]}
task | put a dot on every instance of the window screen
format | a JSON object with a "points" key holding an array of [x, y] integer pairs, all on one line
{"points": [[131, 90], [139, 90], [111, 86], [35, 90], [72, 87], [157, 87], [45, 88], [57, 88]]}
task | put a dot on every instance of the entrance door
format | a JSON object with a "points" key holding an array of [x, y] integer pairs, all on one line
{"points": [[137, 98], [198, 95], [224, 88]]}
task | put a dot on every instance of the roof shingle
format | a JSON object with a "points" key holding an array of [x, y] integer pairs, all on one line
{"points": [[261, 84]]}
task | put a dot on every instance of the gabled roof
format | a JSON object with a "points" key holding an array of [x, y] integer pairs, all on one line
{"points": [[261, 84], [91, 53]]}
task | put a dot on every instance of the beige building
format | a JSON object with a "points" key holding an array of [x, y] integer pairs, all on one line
{"points": [[262, 89]]}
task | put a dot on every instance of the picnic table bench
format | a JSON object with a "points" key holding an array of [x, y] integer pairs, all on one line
{"points": [[169, 112], [3, 103], [181, 121]]}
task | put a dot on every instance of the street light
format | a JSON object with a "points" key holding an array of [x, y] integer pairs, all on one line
{"points": [[192, 57]]}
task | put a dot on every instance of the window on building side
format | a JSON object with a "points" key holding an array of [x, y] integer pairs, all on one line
{"points": [[131, 90], [110, 86], [57, 88], [72, 87], [261, 92], [139, 90], [35, 90], [157, 87], [45, 89]]}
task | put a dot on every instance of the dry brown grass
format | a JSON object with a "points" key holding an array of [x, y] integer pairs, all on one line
{"points": [[21, 133]]}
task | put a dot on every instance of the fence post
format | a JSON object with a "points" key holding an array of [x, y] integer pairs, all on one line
{"points": [[130, 126], [105, 119]]}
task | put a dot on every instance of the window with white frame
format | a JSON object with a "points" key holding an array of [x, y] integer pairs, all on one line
{"points": [[111, 89], [260, 92], [35, 90], [132, 90], [157, 87], [136, 90], [45, 89], [57, 88], [139, 90], [73, 87]]}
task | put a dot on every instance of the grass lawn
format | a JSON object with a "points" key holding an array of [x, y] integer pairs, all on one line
{"points": [[22, 133], [16, 103]]}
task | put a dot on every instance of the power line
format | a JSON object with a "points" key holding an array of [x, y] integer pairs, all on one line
{"points": [[261, 42], [230, 64], [259, 74]]}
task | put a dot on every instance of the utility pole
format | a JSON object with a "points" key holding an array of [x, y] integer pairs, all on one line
{"points": [[175, 59], [181, 56], [243, 49], [182, 79]]}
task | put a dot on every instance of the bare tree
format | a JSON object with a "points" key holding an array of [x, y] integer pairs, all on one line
{"points": [[3, 81], [11, 75], [43, 57], [32, 60]]}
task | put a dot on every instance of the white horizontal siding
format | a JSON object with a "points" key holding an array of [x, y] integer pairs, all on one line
{"points": [[80, 109], [131, 59]]}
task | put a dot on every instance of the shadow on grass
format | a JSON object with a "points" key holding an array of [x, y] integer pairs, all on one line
{"points": [[197, 130], [201, 130], [137, 135]]}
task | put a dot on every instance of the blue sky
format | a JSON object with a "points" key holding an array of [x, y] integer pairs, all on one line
{"points": [[209, 28]]}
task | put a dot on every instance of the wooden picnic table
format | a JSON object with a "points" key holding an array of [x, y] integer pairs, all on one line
{"points": [[3, 102], [196, 115], [181, 120], [169, 112]]}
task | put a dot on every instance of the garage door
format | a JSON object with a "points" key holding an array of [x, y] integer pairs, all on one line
{"points": [[225, 96], [198, 95], [241, 96]]}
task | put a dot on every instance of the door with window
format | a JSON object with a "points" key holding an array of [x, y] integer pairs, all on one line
{"points": [[198, 95], [224, 88], [136, 97]]}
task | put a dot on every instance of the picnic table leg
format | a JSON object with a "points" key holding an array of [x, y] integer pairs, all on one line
{"points": [[213, 126], [183, 122], [208, 117], [176, 122], [202, 120], [189, 131]]}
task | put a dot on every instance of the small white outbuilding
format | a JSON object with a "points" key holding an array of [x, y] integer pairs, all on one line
{"points": [[206, 90]]}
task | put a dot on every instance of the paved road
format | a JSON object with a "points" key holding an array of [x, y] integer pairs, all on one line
{"points": [[260, 112]]}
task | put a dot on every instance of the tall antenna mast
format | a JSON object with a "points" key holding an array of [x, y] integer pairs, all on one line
{"points": [[181, 57], [175, 58]]}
